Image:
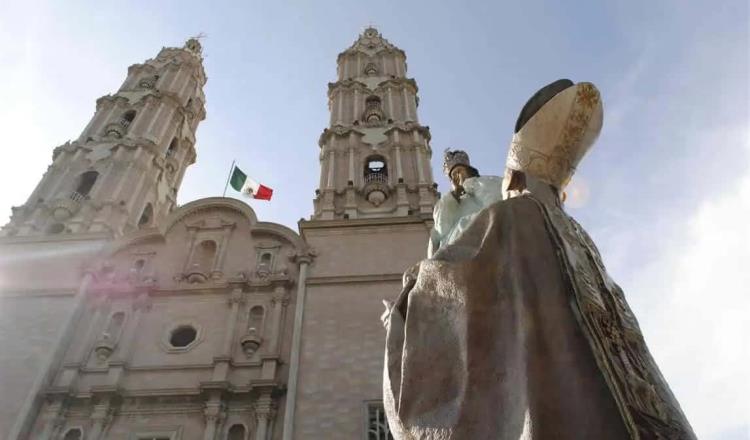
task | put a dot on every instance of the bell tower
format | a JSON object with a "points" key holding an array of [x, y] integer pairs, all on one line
{"points": [[371, 222], [125, 169], [375, 155]]}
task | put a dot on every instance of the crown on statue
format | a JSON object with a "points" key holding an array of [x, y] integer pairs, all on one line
{"points": [[453, 158], [556, 128]]}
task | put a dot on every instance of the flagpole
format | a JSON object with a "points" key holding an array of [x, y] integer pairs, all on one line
{"points": [[231, 170]]}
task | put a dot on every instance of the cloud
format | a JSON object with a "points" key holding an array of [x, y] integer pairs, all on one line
{"points": [[693, 302]]}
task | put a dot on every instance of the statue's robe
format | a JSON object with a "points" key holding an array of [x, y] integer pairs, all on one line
{"points": [[515, 331], [452, 216]]}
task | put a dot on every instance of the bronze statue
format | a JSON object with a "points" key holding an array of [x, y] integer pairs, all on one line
{"points": [[513, 329]]}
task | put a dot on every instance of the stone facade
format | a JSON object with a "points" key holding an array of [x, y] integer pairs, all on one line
{"points": [[124, 316]]}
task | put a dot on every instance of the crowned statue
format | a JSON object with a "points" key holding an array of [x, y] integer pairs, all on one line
{"points": [[470, 194], [512, 328]]}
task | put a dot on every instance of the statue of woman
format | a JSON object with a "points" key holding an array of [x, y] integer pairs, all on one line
{"points": [[513, 329]]}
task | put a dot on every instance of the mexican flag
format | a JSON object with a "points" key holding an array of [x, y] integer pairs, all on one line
{"points": [[249, 187]]}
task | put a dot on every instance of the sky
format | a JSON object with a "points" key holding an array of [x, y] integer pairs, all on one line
{"points": [[665, 192]]}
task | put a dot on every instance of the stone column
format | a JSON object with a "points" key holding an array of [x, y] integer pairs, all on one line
{"points": [[420, 165], [299, 310], [100, 418], [351, 164], [171, 121], [70, 372], [141, 304], [357, 110], [277, 302], [214, 414], [339, 106], [331, 167], [222, 251], [427, 156], [399, 169], [235, 299], [54, 419], [175, 73], [155, 117], [265, 411], [97, 123], [54, 188], [389, 98], [407, 106], [190, 243]]}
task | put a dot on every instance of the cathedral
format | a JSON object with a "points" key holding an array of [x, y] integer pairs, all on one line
{"points": [[126, 316]]}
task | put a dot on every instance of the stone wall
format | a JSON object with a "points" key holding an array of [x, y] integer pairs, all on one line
{"points": [[359, 263]]}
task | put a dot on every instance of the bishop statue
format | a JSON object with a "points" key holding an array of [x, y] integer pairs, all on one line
{"points": [[512, 328]]}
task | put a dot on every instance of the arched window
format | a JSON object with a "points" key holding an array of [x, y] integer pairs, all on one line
{"points": [[73, 434], [376, 169], [148, 82], [373, 113], [236, 432], [139, 265], [265, 261], [114, 326], [371, 69], [146, 216], [85, 183], [172, 148], [255, 320], [127, 118], [204, 256]]}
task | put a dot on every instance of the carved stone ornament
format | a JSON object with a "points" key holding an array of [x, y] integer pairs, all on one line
{"points": [[104, 348], [250, 342], [373, 114], [66, 206], [117, 129], [148, 82], [371, 69], [375, 189]]}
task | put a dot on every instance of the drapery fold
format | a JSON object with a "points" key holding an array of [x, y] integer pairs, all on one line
{"points": [[514, 331]]}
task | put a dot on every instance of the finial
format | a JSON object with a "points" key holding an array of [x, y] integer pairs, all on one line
{"points": [[193, 43], [370, 30]]}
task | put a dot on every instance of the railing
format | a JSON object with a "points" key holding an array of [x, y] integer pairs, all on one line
{"points": [[376, 177], [76, 196]]}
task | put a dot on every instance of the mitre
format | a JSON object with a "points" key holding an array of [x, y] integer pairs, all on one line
{"points": [[555, 129]]}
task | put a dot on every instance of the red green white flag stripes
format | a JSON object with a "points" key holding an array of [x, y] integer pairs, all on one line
{"points": [[249, 187]]}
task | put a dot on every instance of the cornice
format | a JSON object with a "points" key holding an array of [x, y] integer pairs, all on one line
{"points": [[305, 225], [354, 279], [151, 94], [38, 293], [371, 53], [387, 83], [343, 131], [346, 84], [85, 236]]}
